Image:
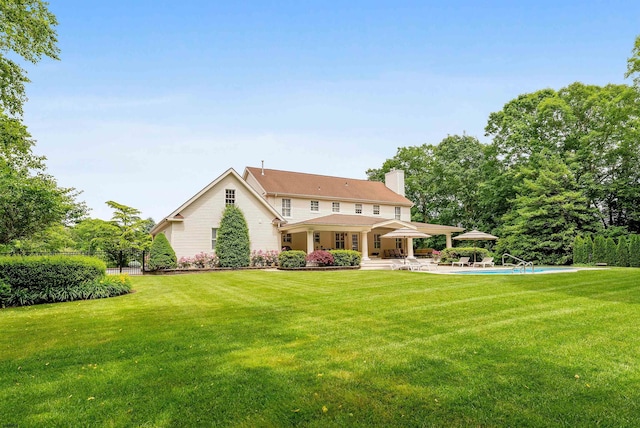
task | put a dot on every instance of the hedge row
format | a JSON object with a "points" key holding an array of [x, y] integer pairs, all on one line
{"points": [[297, 259], [625, 252], [45, 279]]}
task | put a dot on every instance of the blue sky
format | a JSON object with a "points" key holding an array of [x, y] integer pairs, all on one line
{"points": [[152, 100]]}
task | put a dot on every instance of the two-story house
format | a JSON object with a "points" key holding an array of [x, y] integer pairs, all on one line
{"points": [[299, 211]]}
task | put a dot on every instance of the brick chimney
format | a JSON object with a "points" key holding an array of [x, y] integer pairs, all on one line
{"points": [[394, 180]]}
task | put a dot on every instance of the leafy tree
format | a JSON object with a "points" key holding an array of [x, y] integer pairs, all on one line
{"points": [[633, 63], [622, 252], [93, 235], [232, 246], [133, 230], [27, 30], [612, 252], [548, 214], [634, 250], [161, 255]]}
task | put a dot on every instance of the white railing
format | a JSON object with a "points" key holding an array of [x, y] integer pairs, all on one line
{"points": [[520, 266]]}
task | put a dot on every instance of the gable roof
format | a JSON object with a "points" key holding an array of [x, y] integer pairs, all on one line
{"points": [[288, 183], [176, 216]]}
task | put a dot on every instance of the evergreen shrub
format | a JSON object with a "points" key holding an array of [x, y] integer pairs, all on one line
{"points": [[579, 251], [292, 259], [588, 250], [346, 257], [611, 252], [599, 249], [161, 255], [232, 245], [634, 250], [622, 252]]}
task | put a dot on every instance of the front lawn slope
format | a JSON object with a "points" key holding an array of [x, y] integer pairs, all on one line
{"points": [[351, 348]]}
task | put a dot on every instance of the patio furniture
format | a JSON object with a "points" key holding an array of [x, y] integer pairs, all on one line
{"points": [[463, 261], [398, 265], [487, 261], [421, 264]]}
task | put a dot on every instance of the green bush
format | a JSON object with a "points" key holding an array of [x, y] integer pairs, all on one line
{"points": [[346, 257], [232, 246], [579, 254], [161, 255], [50, 271], [588, 250], [35, 279], [622, 252], [634, 250], [599, 249], [611, 249], [452, 254], [292, 259]]}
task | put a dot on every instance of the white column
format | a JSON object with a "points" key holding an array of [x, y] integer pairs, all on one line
{"points": [[365, 245], [309, 241], [410, 248], [449, 244]]}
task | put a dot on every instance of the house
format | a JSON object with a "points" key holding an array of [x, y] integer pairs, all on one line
{"points": [[299, 211]]}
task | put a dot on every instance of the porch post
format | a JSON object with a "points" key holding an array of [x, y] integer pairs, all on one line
{"points": [[448, 236], [410, 248], [309, 241], [365, 245]]}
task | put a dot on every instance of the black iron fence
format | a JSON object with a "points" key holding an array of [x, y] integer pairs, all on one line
{"points": [[132, 262]]}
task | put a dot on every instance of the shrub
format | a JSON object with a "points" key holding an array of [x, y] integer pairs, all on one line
{"points": [[321, 257], [161, 255], [599, 249], [588, 250], [204, 260], [622, 252], [50, 271], [453, 254], [292, 259], [264, 258], [611, 252], [634, 250], [346, 257], [578, 251], [232, 246], [36, 279]]}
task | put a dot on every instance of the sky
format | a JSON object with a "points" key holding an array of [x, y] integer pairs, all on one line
{"points": [[152, 100]]}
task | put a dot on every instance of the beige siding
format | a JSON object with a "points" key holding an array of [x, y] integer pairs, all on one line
{"points": [[301, 209], [193, 235]]}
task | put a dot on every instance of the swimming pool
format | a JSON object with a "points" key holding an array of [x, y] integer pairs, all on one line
{"points": [[510, 271]]}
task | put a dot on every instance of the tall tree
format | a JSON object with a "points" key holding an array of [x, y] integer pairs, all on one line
{"points": [[27, 29], [633, 63], [548, 213], [133, 230], [233, 245]]}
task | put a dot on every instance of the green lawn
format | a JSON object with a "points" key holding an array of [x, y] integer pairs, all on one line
{"points": [[351, 348]]}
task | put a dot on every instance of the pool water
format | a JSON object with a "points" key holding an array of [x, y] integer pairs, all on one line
{"points": [[510, 271]]}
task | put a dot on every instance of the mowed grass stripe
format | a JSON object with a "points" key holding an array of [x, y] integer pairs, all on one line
{"points": [[350, 348]]}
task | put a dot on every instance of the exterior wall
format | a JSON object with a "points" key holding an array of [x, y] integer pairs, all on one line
{"points": [[301, 209], [193, 234]]}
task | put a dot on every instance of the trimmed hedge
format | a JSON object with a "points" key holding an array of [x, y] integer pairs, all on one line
{"points": [[346, 257], [161, 255], [292, 259], [36, 279]]}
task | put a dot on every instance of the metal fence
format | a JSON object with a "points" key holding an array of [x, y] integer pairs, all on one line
{"points": [[132, 262]]}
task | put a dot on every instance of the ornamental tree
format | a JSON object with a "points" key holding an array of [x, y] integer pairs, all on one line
{"points": [[233, 246]]}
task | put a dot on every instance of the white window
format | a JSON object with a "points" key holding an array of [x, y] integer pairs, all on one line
{"points": [[316, 237], [340, 237], [358, 208], [398, 213], [376, 240], [354, 242], [286, 238], [315, 206], [214, 238], [335, 207], [286, 207], [230, 196], [376, 210]]}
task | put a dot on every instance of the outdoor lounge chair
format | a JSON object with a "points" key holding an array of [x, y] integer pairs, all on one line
{"points": [[463, 261], [420, 264], [487, 261], [398, 265]]}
